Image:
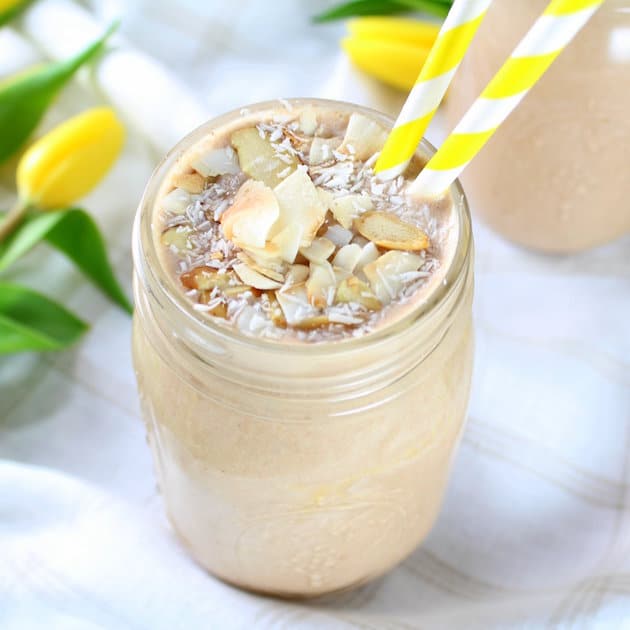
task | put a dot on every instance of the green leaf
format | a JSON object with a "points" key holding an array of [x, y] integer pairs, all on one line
{"points": [[360, 7], [354, 8], [30, 321], [25, 98], [73, 232], [439, 8], [8, 14]]}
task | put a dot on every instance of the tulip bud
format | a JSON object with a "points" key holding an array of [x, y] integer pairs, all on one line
{"points": [[66, 163]]}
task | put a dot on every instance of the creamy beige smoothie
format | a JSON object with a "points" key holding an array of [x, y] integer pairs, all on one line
{"points": [[302, 345], [555, 175]]}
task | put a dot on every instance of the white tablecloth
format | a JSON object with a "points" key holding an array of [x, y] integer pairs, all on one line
{"points": [[535, 530]]}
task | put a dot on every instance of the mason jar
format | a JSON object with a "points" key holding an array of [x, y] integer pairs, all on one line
{"points": [[299, 469], [555, 176]]}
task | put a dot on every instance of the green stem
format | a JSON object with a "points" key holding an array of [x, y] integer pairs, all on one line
{"points": [[12, 218]]}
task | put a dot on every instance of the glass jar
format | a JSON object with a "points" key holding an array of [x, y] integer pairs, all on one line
{"points": [[555, 176], [298, 469]]}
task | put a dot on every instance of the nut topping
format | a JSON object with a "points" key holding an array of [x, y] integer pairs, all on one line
{"points": [[388, 231]]}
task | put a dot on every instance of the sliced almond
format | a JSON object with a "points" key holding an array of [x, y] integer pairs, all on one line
{"points": [[321, 150], [262, 269], [363, 138], [205, 279], [300, 203], [348, 257], [176, 237], [220, 308], [387, 230], [288, 241], [249, 219], [193, 183], [236, 289], [295, 305], [176, 201], [259, 159], [254, 279], [215, 162], [349, 207], [275, 311], [321, 284], [312, 322], [319, 250], [270, 254], [385, 273], [352, 290], [297, 274]]}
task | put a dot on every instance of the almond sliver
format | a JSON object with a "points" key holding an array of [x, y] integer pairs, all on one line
{"points": [[388, 231], [319, 250], [254, 279], [262, 269]]}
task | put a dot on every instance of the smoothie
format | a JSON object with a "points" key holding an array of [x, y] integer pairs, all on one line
{"points": [[302, 345], [564, 147]]}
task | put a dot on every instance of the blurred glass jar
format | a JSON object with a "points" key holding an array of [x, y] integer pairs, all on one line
{"points": [[556, 176]]}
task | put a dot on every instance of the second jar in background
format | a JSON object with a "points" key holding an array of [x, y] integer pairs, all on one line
{"points": [[556, 176]]}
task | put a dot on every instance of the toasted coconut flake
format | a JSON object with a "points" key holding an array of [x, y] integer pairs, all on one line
{"points": [[321, 284], [319, 250], [300, 203], [297, 274], [347, 208], [221, 161], [254, 279], [295, 305], [321, 150], [363, 138], [308, 120], [193, 183], [288, 241], [369, 253], [387, 230], [384, 274], [348, 257], [249, 219], [338, 235]]}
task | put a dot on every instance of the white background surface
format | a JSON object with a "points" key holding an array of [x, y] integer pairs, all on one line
{"points": [[535, 530]]}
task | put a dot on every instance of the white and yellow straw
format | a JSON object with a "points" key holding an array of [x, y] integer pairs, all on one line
{"points": [[447, 52], [550, 34]]}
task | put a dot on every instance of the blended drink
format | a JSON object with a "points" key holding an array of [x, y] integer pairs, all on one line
{"points": [[302, 345], [554, 177]]}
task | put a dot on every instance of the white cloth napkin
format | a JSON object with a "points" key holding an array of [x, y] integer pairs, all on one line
{"points": [[535, 530]]}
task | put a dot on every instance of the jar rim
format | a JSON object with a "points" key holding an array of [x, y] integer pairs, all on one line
{"points": [[147, 264]]}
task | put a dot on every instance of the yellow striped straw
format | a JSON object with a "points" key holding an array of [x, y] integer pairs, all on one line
{"points": [[555, 28], [447, 52]]}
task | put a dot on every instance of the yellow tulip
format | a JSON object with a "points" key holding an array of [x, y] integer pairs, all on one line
{"points": [[66, 163], [395, 29], [9, 5], [396, 63]]}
